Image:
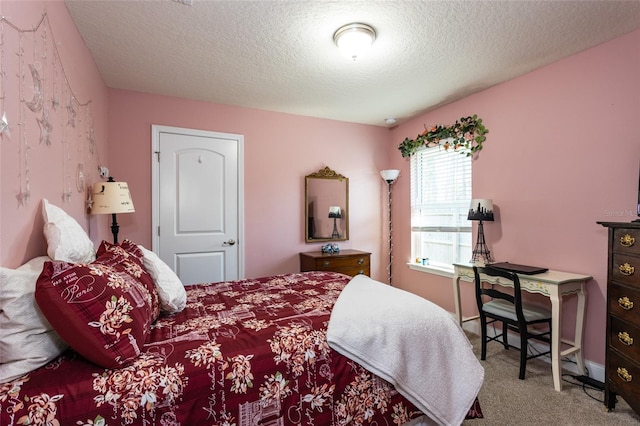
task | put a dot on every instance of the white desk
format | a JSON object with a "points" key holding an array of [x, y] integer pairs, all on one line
{"points": [[554, 285]]}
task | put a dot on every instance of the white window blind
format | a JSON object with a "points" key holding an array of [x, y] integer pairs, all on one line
{"points": [[440, 198]]}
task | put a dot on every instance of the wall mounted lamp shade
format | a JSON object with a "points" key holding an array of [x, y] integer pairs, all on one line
{"points": [[355, 39], [481, 209], [390, 176], [110, 198]]}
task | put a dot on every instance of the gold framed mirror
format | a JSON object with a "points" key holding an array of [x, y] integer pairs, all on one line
{"points": [[326, 207]]}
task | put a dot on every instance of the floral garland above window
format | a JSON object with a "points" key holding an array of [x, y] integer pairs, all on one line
{"points": [[466, 136]]}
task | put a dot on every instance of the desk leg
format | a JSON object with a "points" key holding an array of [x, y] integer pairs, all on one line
{"points": [[456, 296], [556, 331], [582, 296]]}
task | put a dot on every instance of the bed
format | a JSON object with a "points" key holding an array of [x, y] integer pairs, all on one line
{"points": [[246, 352]]}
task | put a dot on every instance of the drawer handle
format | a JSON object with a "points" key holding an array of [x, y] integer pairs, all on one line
{"points": [[627, 240], [360, 261], [625, 303], [625, 339], [626, 269], [326, 263], [624, 374], [360, 272]]}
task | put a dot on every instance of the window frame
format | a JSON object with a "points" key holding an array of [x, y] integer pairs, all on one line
{"points": [[420, 199]]}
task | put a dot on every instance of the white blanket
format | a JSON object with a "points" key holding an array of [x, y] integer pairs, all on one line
{"points": [[410, 342]]}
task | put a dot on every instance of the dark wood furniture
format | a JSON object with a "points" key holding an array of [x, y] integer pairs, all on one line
{"points": [[349, 262], [622, 363]]}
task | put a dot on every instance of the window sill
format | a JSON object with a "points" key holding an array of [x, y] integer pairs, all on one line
{"points": [[431, 269]]}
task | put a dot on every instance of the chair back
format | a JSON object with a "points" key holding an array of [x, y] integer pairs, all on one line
{"points": [[493, 293]]}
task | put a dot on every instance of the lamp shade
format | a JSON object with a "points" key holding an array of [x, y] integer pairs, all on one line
{"points": [[334, 212], [111, 197], [481, 209], [354, 39], [390, 175]]}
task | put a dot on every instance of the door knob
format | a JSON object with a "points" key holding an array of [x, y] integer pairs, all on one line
{"points": [[229, 243]]}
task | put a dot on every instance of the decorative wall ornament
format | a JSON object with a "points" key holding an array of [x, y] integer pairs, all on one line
{"points": [[71, 113], [35, 104], [23, 151], [465, 136], [45, 128], [35, 94], [4, 126], [55, 103], [4, 121]]}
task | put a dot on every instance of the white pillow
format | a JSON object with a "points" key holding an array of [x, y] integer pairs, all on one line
{"points": [[173, 296], [66, 240], [27, 340]]}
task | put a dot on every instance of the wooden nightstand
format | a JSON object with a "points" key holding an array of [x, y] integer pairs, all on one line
{"points": [[349, 262]]}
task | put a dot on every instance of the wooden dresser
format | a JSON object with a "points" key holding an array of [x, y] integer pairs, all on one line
{"points": [[622, 369], [349, 262]]}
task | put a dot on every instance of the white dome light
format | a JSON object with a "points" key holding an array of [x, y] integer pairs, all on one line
{"points": [[354, 39]]}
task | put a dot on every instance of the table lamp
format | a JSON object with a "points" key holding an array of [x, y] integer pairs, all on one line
{"points": [[112, 197], [481, 209]]}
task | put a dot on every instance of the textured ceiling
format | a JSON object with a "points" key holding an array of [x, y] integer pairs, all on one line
{"points": [[280, 55]]}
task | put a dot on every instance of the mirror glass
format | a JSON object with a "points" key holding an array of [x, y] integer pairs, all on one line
{"points": [[326, 206]]}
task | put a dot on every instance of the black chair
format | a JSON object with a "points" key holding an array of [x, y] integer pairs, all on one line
{"points": [[498, 306]]}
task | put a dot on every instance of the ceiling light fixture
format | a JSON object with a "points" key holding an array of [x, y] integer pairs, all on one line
{"points": [[354, 39]]}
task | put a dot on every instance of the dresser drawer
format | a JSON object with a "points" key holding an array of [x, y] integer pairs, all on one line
{"points": [[626, 240], [330, 264], [349, 262], [623, 376], [353, 271], [625, 338], [626, 269], [624, 302]]}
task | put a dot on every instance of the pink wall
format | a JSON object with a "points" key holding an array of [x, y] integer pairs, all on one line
{"points": [[563, 152], [280, 149], [48, 170]]}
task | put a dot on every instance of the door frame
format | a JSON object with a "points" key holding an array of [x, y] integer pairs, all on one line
{"points": [[156, 129]]}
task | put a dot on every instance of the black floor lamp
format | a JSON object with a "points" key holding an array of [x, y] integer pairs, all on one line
{"points": [[112, 197], [390, 177]]}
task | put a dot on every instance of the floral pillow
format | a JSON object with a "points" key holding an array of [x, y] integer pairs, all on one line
{"points": [[103, 309]]}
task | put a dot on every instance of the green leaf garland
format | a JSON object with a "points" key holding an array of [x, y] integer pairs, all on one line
{"points": [[465, 136]]}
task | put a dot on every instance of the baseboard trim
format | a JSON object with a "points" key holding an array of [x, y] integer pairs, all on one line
{"points": [[594, 370]]}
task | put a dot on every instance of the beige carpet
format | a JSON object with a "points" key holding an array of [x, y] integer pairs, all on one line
{"points": [[506, 400]]}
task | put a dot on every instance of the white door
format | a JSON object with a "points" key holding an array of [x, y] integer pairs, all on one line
{"points": [[197, 203]]}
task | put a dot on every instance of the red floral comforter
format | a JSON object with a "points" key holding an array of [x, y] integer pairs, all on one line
{"points": [[241, 353]]}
